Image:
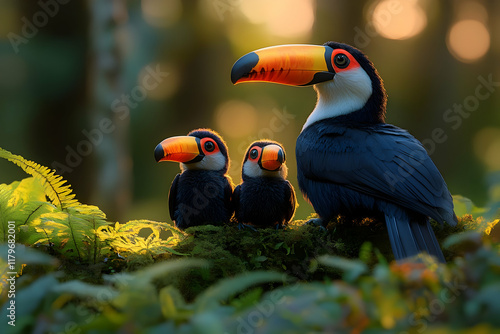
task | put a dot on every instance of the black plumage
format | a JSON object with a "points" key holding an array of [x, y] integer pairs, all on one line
{"points": [[265, 198], [349, 161], [346, 167], [202, 193], [200, 197]]}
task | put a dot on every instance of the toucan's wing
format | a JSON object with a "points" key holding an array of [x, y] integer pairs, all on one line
{"points": [[172, 197], [236, 200], [292, 200], [228, 196], [383, 161]]}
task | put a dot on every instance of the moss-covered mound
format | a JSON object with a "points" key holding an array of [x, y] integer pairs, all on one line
{"points": [[292, 250]]}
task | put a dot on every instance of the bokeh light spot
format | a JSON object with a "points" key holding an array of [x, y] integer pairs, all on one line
{"points": [[285, 18], [236, 118], [487, 147], [398, 19], [468, 40]]}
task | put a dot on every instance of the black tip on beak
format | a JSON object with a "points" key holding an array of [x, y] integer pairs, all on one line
{"points": [[159, 153], [244, 66], [281, 156]]}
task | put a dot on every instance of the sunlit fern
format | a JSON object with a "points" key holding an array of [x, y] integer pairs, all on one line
{"points": [[53, 185], [68, 227]]}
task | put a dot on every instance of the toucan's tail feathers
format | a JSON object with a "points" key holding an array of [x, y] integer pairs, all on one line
{"points": [[410, 237]]}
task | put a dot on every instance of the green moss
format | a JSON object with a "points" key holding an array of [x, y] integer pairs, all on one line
{"points": [[292, 250]]}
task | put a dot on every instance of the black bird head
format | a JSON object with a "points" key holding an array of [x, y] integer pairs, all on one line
{"points": [[264, 158], [348, 85], [201, 149]]}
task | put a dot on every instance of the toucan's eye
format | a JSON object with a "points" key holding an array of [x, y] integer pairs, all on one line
{"points": [[209, 146], [254, 154], [341, 60]]}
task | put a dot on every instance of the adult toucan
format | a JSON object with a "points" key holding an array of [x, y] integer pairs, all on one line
{"points": [[202, 193], [264, 198], [349, 161]]}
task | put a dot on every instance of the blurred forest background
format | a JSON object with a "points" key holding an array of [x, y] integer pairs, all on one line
{"points": [[91, 87]]}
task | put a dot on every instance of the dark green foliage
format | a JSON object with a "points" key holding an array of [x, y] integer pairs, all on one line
{"points": [[232, 251], [292, 250]]}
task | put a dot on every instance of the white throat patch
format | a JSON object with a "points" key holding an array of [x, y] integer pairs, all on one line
{"points": [[347, 92], [209, 162], [253, 169]]}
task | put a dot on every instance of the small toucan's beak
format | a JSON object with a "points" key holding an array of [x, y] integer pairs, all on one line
{"points": [[180, 149], [272, 157], [295, 65]]}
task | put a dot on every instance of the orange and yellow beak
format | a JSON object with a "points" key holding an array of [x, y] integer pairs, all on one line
{"points": [[295, 65], [179, 149], [272, 157]]}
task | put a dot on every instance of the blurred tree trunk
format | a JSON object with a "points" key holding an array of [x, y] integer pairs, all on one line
{"points": [[493, 177], [111, 190]]}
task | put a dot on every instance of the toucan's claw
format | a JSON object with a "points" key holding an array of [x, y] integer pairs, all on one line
{"points": [[317, 222]]}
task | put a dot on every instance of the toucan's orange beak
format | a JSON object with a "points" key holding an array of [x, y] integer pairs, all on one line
{"points": [[179, 149], [295, 65], [272, 157]]}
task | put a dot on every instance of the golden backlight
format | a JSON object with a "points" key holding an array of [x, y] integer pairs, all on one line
{"points": [[468, 40], [285, 18], [398, 19]]}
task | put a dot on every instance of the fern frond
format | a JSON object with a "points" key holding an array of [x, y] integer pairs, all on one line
{"points": [[128, 238], [54, 185], [21, 202], [72, 232]]}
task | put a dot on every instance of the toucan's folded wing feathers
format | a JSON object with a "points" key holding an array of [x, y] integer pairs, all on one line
{"points": [[172, 197], [382, 161]]}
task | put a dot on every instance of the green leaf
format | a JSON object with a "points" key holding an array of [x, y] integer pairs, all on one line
{"points": [[85, 290], [173, 305], [27, 300], [20, 202], [468, 239], [464, 206], [365, 252], [228, 287], [27, 255], [162, 269], [27, 190], [352, 268], [247, 299], [485, 304]]}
